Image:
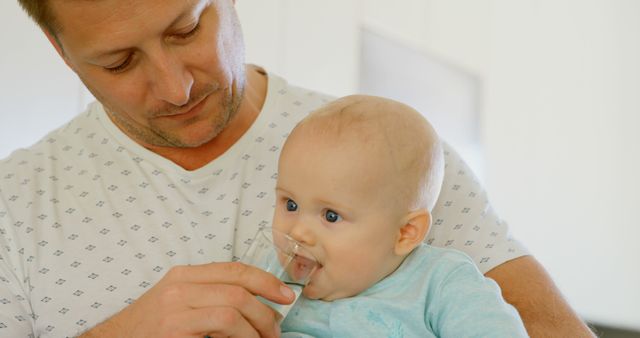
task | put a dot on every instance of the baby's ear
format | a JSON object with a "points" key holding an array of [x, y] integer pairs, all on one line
{"points": [[413, 232]]}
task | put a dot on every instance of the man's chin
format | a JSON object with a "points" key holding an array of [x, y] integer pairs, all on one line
{"points": [[192, 143], [194, 138]]}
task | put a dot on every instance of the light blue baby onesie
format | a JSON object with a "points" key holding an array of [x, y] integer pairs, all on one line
{"points": [[434, 293]]}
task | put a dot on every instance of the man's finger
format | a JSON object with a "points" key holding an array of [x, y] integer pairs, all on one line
{"points": [[219, 322], [256, 281], [259, 315]]}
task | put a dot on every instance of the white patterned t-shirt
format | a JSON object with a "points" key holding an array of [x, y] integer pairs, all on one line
{"points": [[90, 220]]}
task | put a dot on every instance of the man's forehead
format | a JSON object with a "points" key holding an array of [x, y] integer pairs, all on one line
{"points": [[109, 26]]}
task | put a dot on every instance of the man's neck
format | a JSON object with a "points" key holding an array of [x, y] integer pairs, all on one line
{"points": [[249, 109]]}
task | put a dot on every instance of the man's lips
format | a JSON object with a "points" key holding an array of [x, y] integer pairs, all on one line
{"points": [[189, 111]]}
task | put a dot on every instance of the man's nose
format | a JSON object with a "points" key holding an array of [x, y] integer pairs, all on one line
{"points": [[170, 79]]}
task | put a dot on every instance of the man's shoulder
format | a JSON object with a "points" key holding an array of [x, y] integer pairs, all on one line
{"points": [[71, 128], [292, 98], [54, 149]]}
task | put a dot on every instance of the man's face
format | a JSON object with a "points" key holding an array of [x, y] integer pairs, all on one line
{"points": [[170, 73]]}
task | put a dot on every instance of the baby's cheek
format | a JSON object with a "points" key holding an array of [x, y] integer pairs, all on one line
{"points": [[278, 222], [357, 279]]}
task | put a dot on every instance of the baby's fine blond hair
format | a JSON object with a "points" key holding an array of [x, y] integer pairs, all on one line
{"points": [[395, 133]]}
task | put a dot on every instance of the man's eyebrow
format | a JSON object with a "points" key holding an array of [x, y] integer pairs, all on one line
{"points": [[103, 53], [180, 17]]}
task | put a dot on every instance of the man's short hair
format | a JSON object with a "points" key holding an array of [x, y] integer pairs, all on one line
{"points": [[40, 12]]}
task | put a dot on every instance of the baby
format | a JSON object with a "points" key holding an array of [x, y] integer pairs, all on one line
{"points": [[357, 180]]}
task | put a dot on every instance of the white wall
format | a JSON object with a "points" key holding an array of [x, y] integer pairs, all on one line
{"points": [[37, 91], [312, 43], [561, 131], [560, 127], [560, 119]]}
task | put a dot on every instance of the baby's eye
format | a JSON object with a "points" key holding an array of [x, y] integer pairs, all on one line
{"points": [[291, 205], [332, 216]]}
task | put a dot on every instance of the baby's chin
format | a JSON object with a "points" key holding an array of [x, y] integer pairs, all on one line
{"points": [[312, 292]]}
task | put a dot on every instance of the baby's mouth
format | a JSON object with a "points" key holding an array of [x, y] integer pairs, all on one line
{"points": [[315, 272]]}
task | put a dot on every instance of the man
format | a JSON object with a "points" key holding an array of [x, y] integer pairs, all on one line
{"points": [[109, 224]]}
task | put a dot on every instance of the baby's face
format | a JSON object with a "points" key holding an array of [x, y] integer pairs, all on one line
{"points": [[334, 199]]}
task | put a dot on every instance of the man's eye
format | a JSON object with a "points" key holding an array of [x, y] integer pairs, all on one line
{"points": [[121, 67], [332, 216], [189, 33], [291, 205]]}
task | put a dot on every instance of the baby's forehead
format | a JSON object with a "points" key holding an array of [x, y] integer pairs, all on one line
{"points": [[361, 108], [368, 119], [354, 116]]}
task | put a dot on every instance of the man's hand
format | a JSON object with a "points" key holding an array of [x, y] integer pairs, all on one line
{"points": [[215, 300], [527, 286]]}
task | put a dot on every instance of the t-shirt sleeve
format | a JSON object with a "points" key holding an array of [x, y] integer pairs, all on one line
{"points": [[463, 218], [466, 304]]}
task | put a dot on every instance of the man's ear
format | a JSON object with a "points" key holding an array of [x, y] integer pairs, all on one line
{"points": [[56, 44], [413, 232]]}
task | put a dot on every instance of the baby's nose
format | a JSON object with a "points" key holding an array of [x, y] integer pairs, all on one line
{"points": [[303, 234]]}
